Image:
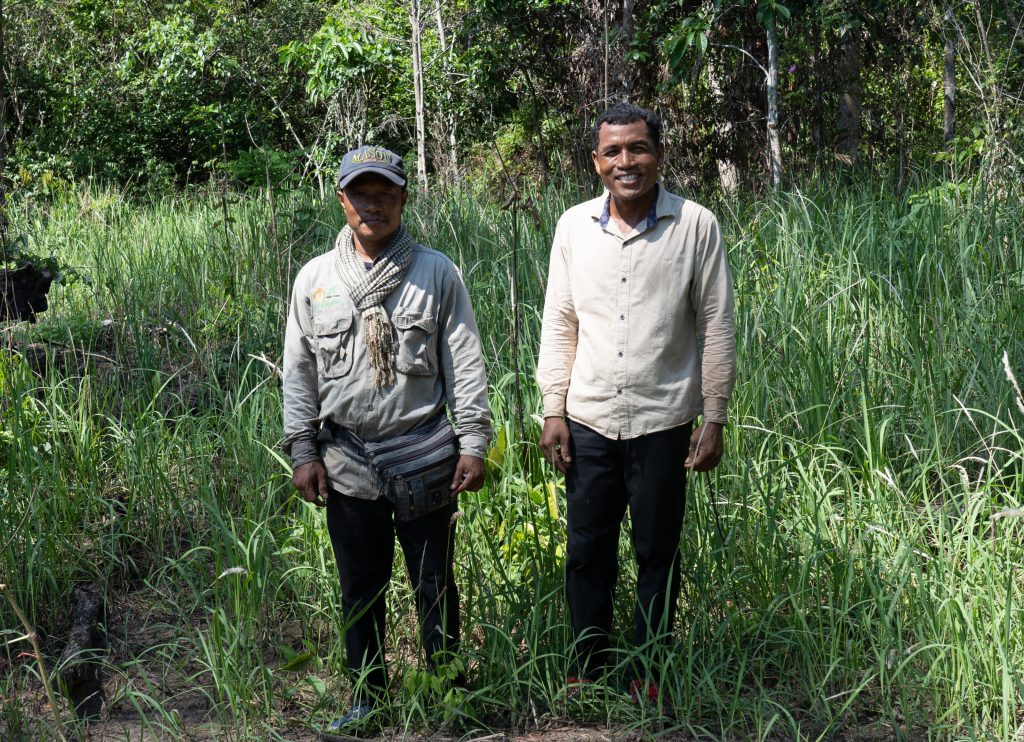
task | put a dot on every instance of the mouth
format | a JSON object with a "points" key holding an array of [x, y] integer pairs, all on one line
{"points": [[629, 179]]}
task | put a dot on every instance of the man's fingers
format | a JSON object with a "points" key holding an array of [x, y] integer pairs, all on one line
{"points": [[562, 450], [322, 490], [560, 455], [557, 455], [705, 460], [469, 475], [460, 475], [554, 443]]}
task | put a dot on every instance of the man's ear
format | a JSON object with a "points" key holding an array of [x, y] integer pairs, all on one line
{"points": [[341, 198], [593, 160]]}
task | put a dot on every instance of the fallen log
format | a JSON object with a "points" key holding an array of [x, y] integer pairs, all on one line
{"points": [[23, 292]]}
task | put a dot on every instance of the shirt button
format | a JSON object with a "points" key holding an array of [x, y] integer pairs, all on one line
{"points": [[623, 279], [620, 354], [622, 316], [618, 391]]}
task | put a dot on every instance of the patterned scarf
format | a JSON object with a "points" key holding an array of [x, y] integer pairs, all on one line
{"points": [[369, 288]]}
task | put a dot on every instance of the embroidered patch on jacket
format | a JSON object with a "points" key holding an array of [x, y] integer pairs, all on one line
{"points": [[328, 297]]}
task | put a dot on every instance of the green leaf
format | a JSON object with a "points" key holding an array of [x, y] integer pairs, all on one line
{"points": [[299, 662]]}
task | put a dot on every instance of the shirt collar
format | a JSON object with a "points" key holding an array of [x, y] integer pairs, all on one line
{"points": [[652, 216]]}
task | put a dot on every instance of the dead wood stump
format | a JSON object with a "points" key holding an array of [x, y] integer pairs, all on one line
{"points": [[81, 679], [23, 292]]}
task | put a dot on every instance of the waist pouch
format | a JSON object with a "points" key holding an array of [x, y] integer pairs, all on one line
{"points": [[415, 469]]}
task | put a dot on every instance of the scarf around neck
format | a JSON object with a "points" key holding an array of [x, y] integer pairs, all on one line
{"points": [[369, 289]]}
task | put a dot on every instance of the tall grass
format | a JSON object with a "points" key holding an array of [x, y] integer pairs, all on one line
{"points": [[855, 566]]}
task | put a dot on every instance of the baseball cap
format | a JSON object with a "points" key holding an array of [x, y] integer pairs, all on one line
{"points": [[371, 159]]}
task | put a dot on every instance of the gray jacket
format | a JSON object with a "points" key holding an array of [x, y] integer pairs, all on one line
{"points": [[328, 377]]}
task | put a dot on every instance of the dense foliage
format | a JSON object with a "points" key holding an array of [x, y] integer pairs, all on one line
{"points": [[168, 92]]}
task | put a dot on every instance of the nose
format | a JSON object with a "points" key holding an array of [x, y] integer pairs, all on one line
{"points": [[625, 158]]}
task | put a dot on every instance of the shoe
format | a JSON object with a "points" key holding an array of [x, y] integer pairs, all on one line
{"points": [[649, 694], [574, 686], [343, 729], [638, 693]]}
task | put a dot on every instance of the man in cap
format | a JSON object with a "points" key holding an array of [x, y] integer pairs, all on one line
{"points": [[380, 339], [637, 341]]}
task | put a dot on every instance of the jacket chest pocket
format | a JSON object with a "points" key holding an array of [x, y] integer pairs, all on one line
{"points": [[333, 334], [417, 343]]}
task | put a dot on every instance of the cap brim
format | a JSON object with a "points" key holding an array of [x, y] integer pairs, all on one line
{"points": [[396, 179]]}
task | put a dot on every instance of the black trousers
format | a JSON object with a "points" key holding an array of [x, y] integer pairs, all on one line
{"points": [[363, 537], [646, 475]]}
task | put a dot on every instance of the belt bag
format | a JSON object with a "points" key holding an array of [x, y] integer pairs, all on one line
{"points": [[416, 469]]}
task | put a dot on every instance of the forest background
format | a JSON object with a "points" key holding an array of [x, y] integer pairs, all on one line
{"points": [[855, 565]]}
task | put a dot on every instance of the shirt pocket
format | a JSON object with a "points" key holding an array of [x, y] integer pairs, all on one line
{"points": [[333, 336], [417, 343]]}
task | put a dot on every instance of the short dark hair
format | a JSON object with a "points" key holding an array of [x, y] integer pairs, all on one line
{"points": [[627, 113]]}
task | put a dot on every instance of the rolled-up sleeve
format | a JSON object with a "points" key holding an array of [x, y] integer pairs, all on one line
{"points": [[462, 363], [712, 298], [301, 392], [559, 332]]}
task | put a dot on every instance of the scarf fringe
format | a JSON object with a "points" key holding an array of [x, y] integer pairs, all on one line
{"points": [[381, 343], [369, 289]]}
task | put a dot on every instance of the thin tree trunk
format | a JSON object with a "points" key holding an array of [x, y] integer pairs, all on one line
{"points": [[417, 81], [728, 173], [541, 149], [604, 15], [626, 39], [774, 145], [901, 136], [949, 82], [819, 107], [848, 125], [447, 117]]}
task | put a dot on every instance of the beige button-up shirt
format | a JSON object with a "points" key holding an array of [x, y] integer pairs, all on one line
{"points": [[328, 377], [638, 328]]}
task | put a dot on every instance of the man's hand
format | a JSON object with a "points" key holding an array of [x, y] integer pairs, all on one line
{"points": [[554, 443], [705, 447], [469, 474], [311, 482]]}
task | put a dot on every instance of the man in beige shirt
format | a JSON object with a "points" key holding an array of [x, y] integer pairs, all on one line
{"points": [[380, 340], [637, 341]]}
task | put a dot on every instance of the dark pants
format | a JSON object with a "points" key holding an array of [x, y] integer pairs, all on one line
{"points": [[646, 475], [363, 536]]}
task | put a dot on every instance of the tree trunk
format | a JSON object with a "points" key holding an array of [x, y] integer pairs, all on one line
{"points": [[848, 125], [901, 135], [819, 108], [774, 146], [728, 173], [949, 83], [83, 655], [604, 14], [626, 39], [417, 83], [447, 117], [542, 154]]}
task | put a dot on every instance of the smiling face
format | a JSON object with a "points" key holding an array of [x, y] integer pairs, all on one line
{"points": [[627, 161], [373, 206]]}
